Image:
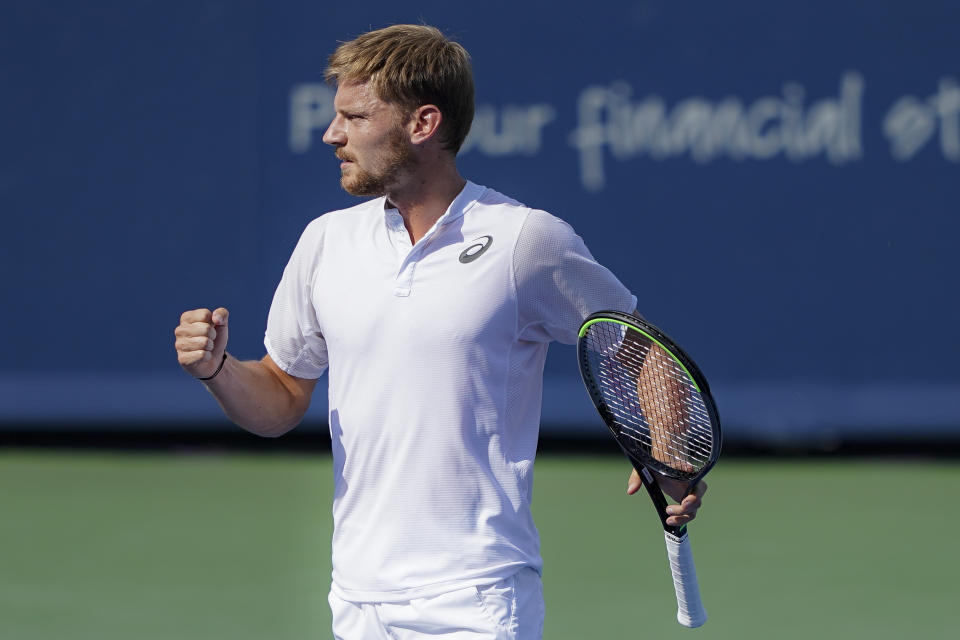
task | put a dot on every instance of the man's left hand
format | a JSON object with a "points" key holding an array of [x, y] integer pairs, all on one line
{"points": [[688, 505]]}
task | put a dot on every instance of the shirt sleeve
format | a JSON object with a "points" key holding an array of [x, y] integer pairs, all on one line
{"points": [[294, 339], [559, 283]]}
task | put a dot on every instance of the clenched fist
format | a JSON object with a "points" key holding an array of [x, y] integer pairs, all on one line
{"points": [[201, 339]]}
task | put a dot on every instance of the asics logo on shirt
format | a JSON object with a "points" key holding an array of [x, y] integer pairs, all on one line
{"points": [[476, 249]]}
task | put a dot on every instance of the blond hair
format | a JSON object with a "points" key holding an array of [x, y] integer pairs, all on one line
{"points": [[412, 65]]}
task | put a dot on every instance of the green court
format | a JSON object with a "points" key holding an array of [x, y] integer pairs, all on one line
{"points": [[151, 546]]}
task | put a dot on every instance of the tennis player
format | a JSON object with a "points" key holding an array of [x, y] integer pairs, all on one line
{"points": [[431, 306]]}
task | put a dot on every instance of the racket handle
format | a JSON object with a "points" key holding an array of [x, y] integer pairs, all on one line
{"points": [[690, 611]]}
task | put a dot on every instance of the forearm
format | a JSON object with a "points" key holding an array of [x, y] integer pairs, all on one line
{"points": [[661, 400], [256, 396]]}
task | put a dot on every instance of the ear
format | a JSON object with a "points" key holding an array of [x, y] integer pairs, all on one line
{"points": [[424, 123]]}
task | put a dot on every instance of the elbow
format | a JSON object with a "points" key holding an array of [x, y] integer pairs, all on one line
{"points": [[277, 430], [271, 426], [266, 431]]}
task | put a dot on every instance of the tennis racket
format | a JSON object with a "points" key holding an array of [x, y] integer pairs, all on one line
{"points": [[658, 407]]}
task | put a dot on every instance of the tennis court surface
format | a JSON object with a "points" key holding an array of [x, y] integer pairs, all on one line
{"points": [[160, 545]]}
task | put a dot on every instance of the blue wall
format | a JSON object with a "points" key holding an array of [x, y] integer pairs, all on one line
{"points": [[777, 184]]}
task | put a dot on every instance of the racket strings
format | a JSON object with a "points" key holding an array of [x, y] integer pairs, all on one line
{"points": [[650, 397], [677, 443], [670, 433]]}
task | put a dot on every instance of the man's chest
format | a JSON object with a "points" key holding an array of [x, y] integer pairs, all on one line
{"points": [[377, 301]]}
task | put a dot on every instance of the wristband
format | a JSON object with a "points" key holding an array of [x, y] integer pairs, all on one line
{"points": [[218, 368]]}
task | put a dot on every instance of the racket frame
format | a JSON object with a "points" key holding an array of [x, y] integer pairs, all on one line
{"points": [[690, 611]]}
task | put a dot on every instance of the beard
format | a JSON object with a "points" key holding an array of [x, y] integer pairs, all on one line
{"points": [[397, 157]]}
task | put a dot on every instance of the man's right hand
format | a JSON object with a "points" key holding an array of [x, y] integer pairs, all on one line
{"points": [[201, 340]]}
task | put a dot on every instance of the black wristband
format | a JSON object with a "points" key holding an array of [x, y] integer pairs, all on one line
{"points": [[218, 368]]}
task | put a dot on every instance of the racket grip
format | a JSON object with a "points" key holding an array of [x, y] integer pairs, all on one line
{"points": [[690, 611]]}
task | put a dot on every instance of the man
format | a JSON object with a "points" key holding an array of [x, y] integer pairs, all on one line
{"points": [[433, 305]]}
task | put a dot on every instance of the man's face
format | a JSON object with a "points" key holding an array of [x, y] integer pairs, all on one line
{"points": [[371, 141]]}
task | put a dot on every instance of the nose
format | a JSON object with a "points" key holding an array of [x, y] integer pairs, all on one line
{"points": [[336, 133]]}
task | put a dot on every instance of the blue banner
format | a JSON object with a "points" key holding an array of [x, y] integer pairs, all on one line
{"points": [[776, 183]]}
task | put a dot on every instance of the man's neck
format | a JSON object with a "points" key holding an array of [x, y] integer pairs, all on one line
{"points": [[425, 197]]}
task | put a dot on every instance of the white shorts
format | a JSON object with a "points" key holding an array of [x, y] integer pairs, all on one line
{"points": [[511, 609]]}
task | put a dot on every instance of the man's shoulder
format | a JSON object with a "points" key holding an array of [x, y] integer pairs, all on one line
{"points": [[492, 198], [495, 199], [491, 208], [532, 227]]}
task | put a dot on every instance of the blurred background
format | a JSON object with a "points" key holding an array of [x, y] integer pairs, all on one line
{"points": [[777, 183]]}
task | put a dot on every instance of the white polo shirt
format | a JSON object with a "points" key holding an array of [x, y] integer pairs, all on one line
{"points": [[435, 355]]}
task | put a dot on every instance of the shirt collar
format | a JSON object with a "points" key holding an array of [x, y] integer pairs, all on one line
{"points": [[468, 196]]}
